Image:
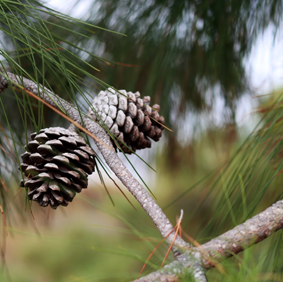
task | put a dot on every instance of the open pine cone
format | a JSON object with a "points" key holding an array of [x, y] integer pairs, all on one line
{"points": [[56, 165], [129, 118]]}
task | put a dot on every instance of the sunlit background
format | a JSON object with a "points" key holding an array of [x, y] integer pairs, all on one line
{"points": [[210, 65]]}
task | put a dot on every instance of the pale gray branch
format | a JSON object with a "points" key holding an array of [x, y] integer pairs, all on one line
{"points": [[236, 240], [175, 270], [110, 156], [199, 273], [169, 273], [245, 235]]}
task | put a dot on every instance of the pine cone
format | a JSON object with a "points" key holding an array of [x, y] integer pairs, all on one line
{"points": [[56, 165], [128, 117]]}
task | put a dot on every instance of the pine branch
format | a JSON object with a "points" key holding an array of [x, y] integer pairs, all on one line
{"points": [[105, 146], [234, 241], [169, 273], [173, 271], [194, 260], [245, 235]]}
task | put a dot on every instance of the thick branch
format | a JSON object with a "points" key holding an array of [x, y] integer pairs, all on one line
{"points": [[245, 235], [169, 273], [110, 156], [236, 240], [173, 271]]}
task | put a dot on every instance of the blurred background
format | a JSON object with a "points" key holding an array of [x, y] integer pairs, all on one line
{"points": [[212, 66]]}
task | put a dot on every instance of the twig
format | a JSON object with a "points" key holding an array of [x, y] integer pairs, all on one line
{"points": [[178, 227]]}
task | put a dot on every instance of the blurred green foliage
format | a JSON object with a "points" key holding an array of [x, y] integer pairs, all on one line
{"points": [[182, 52], [182, 49]]}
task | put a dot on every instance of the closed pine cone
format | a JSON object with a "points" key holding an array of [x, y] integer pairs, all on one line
{"points": [[129, 118]]}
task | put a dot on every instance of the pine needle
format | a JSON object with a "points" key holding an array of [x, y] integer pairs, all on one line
{"points": [[4, 219], [67, 118], [122, 192], [18, 192], [7, 153], [178, 226], [4, 185], [154, 250]]}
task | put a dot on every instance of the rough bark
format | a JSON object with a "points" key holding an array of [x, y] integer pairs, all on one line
{"points": [[243, 236], [236, 240]]}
